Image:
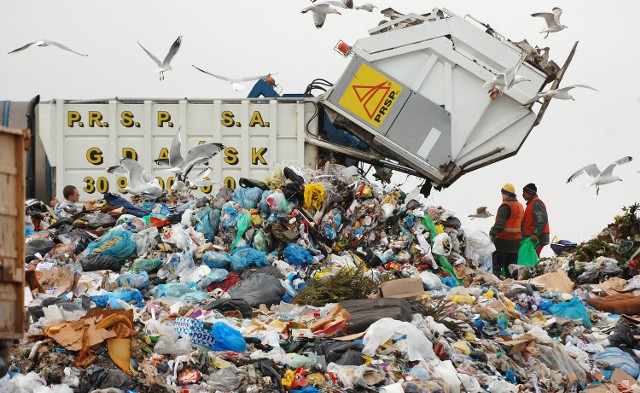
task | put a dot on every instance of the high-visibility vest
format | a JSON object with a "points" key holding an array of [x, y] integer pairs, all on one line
{"points": [[528, 218], [512, 228]]}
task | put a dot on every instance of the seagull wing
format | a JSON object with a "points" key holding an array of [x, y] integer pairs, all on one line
{"points": [[204, 173], [158, 62], [172, 51], [318, 19], [117, 169], [341, 4], [59, 45], [623, 160], [548, 17], [175, 156], [577, 85], [224, 78], [22, 48], [135, 172], [200, 154], [481, 210], [535, 98], [591, 170], [557, 11], [147, 177]]}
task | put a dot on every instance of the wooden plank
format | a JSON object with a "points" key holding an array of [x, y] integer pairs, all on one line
{"points": [[12, 226]]}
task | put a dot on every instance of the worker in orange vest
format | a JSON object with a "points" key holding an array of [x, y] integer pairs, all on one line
{"points": [[506, 231], [536, 221]]}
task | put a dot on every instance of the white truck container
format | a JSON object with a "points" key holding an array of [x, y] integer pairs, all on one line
{"points": [[412, 91], [82, 139]]}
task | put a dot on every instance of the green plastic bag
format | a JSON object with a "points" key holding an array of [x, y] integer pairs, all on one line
{"points": [[527, 254], [244, 222], [442, 261]]}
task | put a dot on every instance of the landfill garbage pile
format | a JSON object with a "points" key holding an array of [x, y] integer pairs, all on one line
{"points": [[306, 281]]}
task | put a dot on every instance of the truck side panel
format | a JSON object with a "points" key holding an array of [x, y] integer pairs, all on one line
{"points": [[83, 139]]}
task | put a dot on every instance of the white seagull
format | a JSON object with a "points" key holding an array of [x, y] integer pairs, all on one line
{"points": [[44, 43], [561, 94], [553, 21], [200, 180], [164, 65], [119, 169], [197, 155], [481, 212], [506, 78], [601, 178], [321, 10], [235, 82], [366, 7], [137, 183]]}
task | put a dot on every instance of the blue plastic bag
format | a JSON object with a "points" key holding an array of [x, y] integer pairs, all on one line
{"points": [[230, 213], [248, 198], [172, 289], [227, 338], [572, 309], [111, 298], [295, 254], [121, 250], [617, 358], [217, 260], [243, 257], [130, 280], [204, 224], [263, 205]]}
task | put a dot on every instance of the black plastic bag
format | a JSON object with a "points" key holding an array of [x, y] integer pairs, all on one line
{"points": [[258, 289], [36, 246], [231, 305], [92, 262]]}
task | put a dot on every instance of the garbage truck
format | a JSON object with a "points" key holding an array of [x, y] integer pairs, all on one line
{"points": [[411, 99]]}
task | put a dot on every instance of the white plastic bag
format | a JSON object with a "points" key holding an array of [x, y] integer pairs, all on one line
{"points": [[442, 244], [446, 372], [145, 240], [419, 347], [479, 245]]}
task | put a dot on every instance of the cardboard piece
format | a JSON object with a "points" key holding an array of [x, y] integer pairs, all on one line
{"points": [[611, 386], [518, 345], [557, 280], [32, 279], [59, 279], [402, 288]]}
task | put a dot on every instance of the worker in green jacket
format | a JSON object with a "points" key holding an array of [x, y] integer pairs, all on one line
{"points": [[506, 232]]}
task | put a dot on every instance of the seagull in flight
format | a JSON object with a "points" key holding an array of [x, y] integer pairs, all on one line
{"points": [[235, 82], [561, 94], [44, 43], [366, 7], [601, 178], [321, 10], [197, 155], [164, 65], [138, 185], [507, 78], [481, 212], [200, 180], [553, 21]]}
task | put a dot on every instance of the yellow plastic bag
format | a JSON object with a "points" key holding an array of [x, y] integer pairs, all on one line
{"points": [[313, 196]]}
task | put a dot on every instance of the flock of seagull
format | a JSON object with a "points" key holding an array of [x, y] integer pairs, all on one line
{"points": [[141, 183], [163, 66]]}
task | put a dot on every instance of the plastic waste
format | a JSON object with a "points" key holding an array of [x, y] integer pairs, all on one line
{"points": [[132, 280], [248, 198], [419, 347], [145, 265], [527, 253], [227, 338], [112, 299], [217, 260], [296, 255], [243, 257], [116, 243], [171, 289], [258, 289], [616, 357], [572, 309], [92, 262]]}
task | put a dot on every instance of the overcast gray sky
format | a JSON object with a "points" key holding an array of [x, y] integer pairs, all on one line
{"points": [[250, 37]]}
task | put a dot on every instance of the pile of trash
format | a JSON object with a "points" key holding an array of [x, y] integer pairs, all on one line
{"points": [[306, 281]]}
